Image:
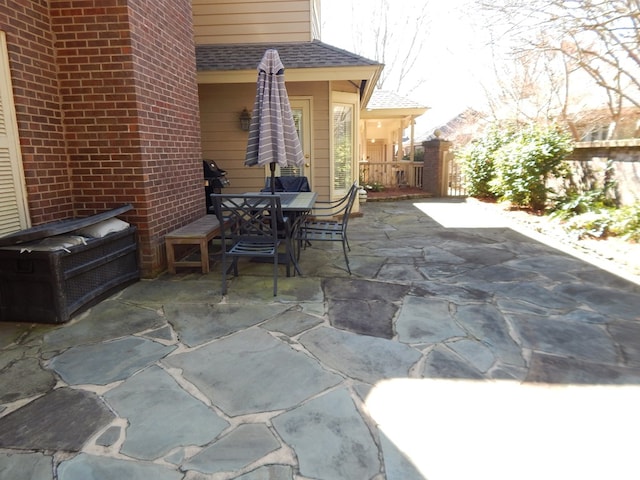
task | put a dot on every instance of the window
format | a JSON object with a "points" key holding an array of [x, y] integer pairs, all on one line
{"points": [[342, 146]]}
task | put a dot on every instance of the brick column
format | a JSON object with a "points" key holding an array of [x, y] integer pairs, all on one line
{"points": [[434, 173]]}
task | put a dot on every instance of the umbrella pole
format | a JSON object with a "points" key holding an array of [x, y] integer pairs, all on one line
{"points": [[272, 167]]}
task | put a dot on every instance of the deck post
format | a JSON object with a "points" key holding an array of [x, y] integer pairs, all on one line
{"points": [[434, 178]]}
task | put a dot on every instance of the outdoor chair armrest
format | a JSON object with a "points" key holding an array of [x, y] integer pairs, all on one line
{"points": [[334, 208]]}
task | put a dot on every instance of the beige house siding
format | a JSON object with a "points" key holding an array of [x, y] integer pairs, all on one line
{"points": [[266, 21], [224, 142]]}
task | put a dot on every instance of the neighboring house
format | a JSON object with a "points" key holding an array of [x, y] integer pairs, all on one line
{"points": [[383, 125], [590, 125], [459, 130], [102, 104], [585, 125]]}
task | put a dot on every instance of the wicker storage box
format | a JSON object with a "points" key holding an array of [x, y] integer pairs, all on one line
{"points": [[52, 286]]}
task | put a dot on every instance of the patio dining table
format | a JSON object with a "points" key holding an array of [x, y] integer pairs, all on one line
{"points": [[297, 203]]}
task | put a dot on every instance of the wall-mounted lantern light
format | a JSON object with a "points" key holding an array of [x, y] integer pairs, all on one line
{"points": [[245, 120]]}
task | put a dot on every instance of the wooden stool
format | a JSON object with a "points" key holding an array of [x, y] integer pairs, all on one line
{"points": [[198, 233]]}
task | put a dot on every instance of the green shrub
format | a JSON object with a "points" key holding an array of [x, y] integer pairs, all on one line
{"points": [[574, 202], [608, 221], [524, 165], [596, 224], [626, 223], [478, 161]]}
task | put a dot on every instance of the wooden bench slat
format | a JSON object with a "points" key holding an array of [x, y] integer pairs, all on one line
{"points": [[199, 233], [202, 226]]}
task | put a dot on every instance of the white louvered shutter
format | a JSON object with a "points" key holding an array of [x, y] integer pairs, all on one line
{"points": [[13, 206]]}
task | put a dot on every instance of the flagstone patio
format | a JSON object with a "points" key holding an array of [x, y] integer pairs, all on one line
{"points": [[459, 348]]}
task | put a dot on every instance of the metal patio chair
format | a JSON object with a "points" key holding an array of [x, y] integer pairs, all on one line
{"points": [[251, 227], [329, 222]]}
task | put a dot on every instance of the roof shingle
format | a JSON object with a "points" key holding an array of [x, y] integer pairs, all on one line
{"points": [[315, 54], [384, 99]]}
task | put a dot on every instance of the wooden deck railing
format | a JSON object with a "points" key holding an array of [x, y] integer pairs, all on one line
{"points": [[391, 174]]}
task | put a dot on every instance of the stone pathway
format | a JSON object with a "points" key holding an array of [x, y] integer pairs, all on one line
{"points": [[458, 349]]}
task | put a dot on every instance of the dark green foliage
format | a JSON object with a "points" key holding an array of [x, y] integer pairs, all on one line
{"points": [[608, 221], [626, 223], [525, 164], [478, 160], [574, 202], [514, 164]]}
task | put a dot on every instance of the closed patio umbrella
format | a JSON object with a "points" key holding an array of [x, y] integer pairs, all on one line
{"points": [[272, 133]]}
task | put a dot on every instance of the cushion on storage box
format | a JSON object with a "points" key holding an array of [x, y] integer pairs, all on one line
{"points": [[51, 244], [104, 228]]}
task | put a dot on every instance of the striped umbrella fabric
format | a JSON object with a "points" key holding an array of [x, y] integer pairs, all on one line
{"points": [[272, 133]]}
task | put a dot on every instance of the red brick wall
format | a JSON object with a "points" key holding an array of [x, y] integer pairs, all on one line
{"points": [[35, 86], [168, 115], [121, 114]]}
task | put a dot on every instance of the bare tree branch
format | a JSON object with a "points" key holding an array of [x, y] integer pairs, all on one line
{"points": [[599, 38], [396, 37]]}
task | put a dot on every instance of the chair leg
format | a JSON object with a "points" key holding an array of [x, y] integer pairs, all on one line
{"points": [[291, 253], [287, 255], [225, 271], [346, 258], [235, 266], [275, 275], [224, 274]]}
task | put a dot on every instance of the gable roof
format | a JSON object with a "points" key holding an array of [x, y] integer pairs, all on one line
{"points": [[387, 104], [385, 99], [303, 61], [459, 129]]}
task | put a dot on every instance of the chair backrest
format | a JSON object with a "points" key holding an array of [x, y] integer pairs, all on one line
{"points": [[335, 208], [344, 205], [351, 199], [252, 218], [287, 184]]}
